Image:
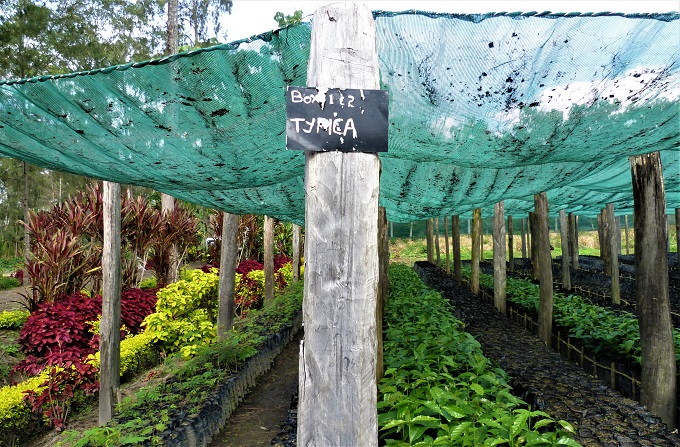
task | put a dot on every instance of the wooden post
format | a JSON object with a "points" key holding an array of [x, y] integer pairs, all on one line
{"points": [[677, 235], [227, 287], [604, 233], [446, 242], [476, 249], [605, 248], [523, 237], [481, 240], [576, 231], [617, 238], [625, 218], [570, 237], [530, 234], [511, 247], [600, 237], [297, 233], [607, 231], [109, 329], [391, 229], [564, 232], [383, 287], [338, 392], [545, 278], [436, 242], [614, 239], [455, 235], [668, 239], [499, 271], [534, 245], [430, 240], [573, 231], [268, 260], [658, 374], [410, 231]]}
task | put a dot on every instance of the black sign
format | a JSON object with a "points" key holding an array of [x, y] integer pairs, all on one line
{"points": [[348, 120]]}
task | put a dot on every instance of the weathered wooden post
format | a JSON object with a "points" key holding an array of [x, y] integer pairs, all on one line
{"points": [[534, 244], [545, 278], [436, 242], [455, 235], [613, 246], [677, 235], [227, 285], [410, 231], [297, 233], [511, 245], [530, 235], [109, 329], [430, 240], [668, 240], [617, 219], [600, 237], [338, 393], [499, 270], [268, 260], [625, 218], [658, 376], [446, 243], [564, 232], [573, 232], [605, 234], [523, 237], [476, 249], [481, 239], [570, 237]]}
